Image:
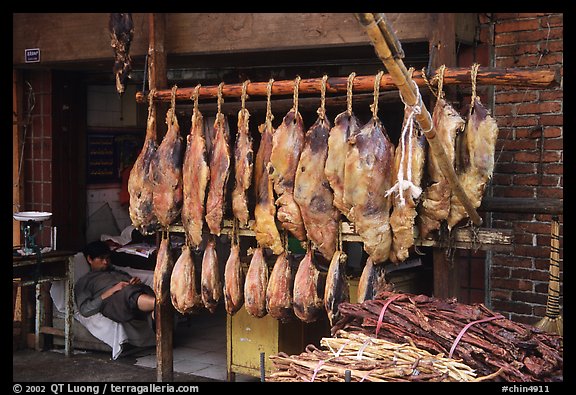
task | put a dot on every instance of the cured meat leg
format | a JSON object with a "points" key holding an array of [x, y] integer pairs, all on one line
{"points": [[408, 169], [121, 29], [312, 192], [166, 173], [211, 286], [140, 185], [233, 281], [367, 177], [195, 176], [435, 205], [163, 271], [256, 284], [336, 290], [185, 297], [480, 138], [287, 143], [308, 289], [280, 286], [345, 125], [243, 164], [265, 228], [372, 281], [219, 172]]}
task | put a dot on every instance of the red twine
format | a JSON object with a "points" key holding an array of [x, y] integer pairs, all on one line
{"points": [[390, 300], [496, 317]]}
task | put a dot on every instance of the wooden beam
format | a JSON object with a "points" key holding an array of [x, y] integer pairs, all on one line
{"points": [[522, 205], [524, 78], [164, 311]]}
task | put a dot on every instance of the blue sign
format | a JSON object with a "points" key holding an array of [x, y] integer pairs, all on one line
{"points": [[32, 55]]}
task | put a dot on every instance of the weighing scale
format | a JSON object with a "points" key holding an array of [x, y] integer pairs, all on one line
{"points": [[31, 222]]}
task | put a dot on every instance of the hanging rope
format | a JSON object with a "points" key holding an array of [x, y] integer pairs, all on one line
{"points": [[374, 106], [195, 96], [269, 116], [473, 76], [296, 89], [173, 104], [322, 109], [349, 86], [405, 176]]}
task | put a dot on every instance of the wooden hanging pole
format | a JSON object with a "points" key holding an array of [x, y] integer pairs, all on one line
{"points": [[536, 79], [411, 96]]}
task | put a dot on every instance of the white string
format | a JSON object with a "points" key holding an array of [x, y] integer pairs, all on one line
{"points": [[407, 132]]}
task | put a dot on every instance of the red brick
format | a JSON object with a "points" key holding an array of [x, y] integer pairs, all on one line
{"points": [[523, 120], [514, 26], [502, 179], [499, 294], [551, 193], [552, 119], [520, 15], [529, 36], [553, 144], [539, 108], [529, 297], [553, 168], [505, 109], [552, 21], [536, 180], [552, 95], [521, 144], [515, 97], [509, 261], [515, 168], [508, 191], [517, 49], [533, 227]]}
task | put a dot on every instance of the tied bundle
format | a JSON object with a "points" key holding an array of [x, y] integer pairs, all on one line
{"points": [[481, 339], [368, 359]]}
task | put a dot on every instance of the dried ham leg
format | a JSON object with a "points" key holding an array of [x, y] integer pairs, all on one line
{"points": [[256, 284], [211, 286], [480, 138], [219, 172], [312, 191], [368, 175], [308, 290], [336, 290], [195, 176], [287, 143], [410, 155], [140, 185], [345, 125], [163, 271], [435, 205], [166, 173], [243, 163], [233, 281], [279, 292], [372, 281], [265, 228], [185, 297]]}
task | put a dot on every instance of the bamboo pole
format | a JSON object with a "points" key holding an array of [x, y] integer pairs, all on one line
{"points": [[411, 95], [535, 79]]}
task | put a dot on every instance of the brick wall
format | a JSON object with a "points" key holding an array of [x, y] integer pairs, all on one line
{"points": [[529, 162]]}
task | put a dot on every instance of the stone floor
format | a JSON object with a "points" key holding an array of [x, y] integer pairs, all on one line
{"points": [[199, 354]]}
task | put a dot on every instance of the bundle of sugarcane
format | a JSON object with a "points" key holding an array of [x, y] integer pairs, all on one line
{"points": [[368, 359], [482, 339]]}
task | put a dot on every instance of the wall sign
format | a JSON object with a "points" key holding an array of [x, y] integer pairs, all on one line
{"points": [[32, 55]]}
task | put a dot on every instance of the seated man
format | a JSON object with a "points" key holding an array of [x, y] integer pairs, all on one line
{"points": [[110, 291]]}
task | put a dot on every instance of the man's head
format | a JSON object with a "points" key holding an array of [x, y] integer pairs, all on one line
{"points": [[97, 254]]}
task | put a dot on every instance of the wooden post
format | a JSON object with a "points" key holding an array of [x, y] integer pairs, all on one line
{"points": [[446, 273], [164, 313]]}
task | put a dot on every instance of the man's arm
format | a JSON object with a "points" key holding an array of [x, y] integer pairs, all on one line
{"points": [[87, 303]]}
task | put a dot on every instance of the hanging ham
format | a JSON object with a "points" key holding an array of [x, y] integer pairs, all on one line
{"points": [[287, 144], [336, 289], [280, 286], [477, 160], [367, 177], [256, 284], [312, 192], [408, 170], [219, 172], [435, 204], [185, 297], [308, 290], [372, 281], [211, 286], [195, 176], [233, 281], [163, 272], [243, 163], [265, 228], [345, 125], [166, 174], [140, 185]]}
